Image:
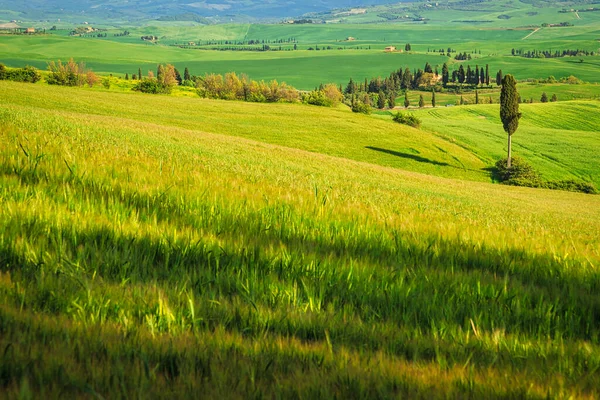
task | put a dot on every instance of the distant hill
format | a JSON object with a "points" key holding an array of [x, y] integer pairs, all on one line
{"points": [[132, 10]]}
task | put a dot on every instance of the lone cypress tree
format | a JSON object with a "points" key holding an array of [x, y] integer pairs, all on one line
{"points": [[544, 98], [476, 96], [554, 98], [406, 101], [432, 98], [140, 74], [509, 110], [421, 101]]}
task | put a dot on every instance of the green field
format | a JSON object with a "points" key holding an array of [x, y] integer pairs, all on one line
{"points": [[306, 69], [155, 246], [172, 246]]}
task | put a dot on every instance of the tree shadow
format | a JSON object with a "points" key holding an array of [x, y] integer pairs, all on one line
{"points": [[408, 156], [494, 173]]}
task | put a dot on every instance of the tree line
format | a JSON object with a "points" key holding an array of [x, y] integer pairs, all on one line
{"points": [[551, 54]]}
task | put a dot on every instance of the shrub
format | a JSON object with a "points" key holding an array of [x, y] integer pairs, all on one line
{"points": [[523, 174], [572, 185], [148, 85], [68, 74], [407, 119], [27, 74], [519, 174], [360, 107]]}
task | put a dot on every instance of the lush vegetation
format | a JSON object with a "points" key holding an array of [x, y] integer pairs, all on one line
{"points": [[172, 244], [150, 257]]}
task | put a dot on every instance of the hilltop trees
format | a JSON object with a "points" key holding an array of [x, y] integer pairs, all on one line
{"points": [[509, 110]]}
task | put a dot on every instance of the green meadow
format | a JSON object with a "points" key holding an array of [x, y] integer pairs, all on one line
{"points": [[158, 246], [305, 68]]}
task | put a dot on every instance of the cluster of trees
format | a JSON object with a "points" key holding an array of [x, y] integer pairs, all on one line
{"points": [[27, 74], [463, 56], [469, 76], [163, 82], [551, 54], [124, 33], [239, 87], [70, 73]]}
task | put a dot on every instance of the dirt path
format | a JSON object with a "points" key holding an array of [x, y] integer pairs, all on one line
{"points": [[577, 15], [536, 29]]}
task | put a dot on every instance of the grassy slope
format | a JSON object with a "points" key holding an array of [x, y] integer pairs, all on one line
{"points": [[142, 256], [560, 139], [340, 134]]}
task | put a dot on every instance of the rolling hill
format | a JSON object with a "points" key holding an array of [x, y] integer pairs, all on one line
{"points": [[161, 246]]}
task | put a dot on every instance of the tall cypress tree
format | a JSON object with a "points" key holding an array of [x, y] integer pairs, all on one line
{"points": [[481, 77], [421, 101], [487, 74], [406, 101], [140, 74], [381, 100], [509, 110], [461, 74], [476, 96], [499, 78], [186, 74], [432, 98], [445, 74]]}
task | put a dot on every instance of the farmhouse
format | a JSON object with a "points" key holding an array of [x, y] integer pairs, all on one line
{"points": [[350, 38], [390, 48], [30, 30]]}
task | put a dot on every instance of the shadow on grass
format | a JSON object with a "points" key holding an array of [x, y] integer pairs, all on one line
{"points": [[408, 156]]}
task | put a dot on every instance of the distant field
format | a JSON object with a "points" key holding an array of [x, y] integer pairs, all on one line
{"points": [[160, 246], [306, 69]]}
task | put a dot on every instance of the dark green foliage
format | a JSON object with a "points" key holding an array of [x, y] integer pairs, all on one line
{"points": [[407, 119], [544, 98], [421, 101], [499, 78], [509, 104], [554, 98], [406, 101], [476, 97], [381, 100], [149, 85], [27, 74], [392, 101], [445, 74], [360, 107], [317, 98], [433, 98], [186, 74], [572, 185], [522, 173]]}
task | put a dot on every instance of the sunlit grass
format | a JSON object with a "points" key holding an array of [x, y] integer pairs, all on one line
{"points": [[154, 253]]}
